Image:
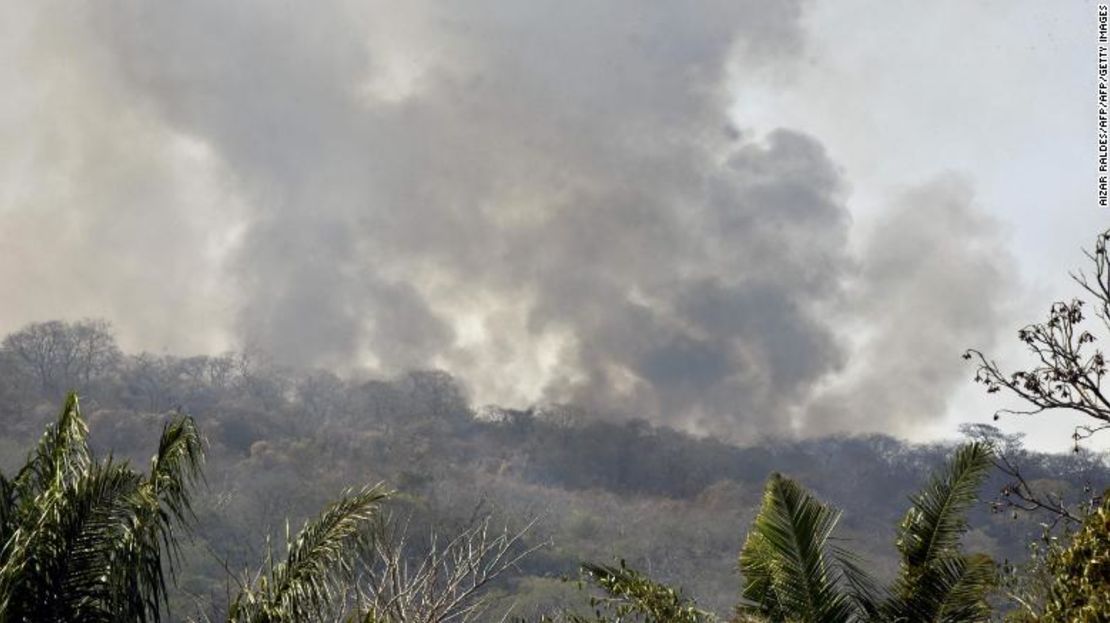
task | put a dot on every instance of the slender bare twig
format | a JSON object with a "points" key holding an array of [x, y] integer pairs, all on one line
{"points": [[1020, 495], [445, 582]]}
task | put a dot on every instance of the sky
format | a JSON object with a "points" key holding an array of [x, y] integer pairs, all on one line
{"points": [[740, 218]]}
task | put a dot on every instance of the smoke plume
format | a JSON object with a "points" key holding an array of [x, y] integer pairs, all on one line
{"points": [[548, 199]]}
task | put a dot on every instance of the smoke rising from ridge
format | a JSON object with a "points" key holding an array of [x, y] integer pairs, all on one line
{"points": [[548, 200]]}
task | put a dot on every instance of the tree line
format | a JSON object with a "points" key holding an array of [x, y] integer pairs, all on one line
{"points": [[87, 536]]}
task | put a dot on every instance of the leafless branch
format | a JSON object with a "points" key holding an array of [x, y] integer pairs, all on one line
{"points": [[446, 581], [1019, 495], [1067, 375], [1069, 369]]}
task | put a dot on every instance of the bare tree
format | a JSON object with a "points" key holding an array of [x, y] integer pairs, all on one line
{"points": [[64, 356], [1066, 375], [447, 581], [1069, 370]]}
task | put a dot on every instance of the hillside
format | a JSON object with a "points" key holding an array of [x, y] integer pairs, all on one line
{"points": [[284, 441]]}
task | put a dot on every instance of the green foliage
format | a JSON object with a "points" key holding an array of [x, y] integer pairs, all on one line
{"points": [[309, 583], [1080, 572], [791, 570], [794, 572], [653, 498], [89, 541], [629, 595], [936, 582]]}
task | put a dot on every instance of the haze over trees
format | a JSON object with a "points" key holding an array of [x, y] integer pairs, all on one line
{"points": [[284, 442], [496, 507], [568, 312], [89, 539]]}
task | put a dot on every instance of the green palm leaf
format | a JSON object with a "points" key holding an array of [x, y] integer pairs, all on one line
{"points": [[936, 581], [71, 562], [318, 562], [79, 562], [85, 540], [161, 503], [788, 566], [164, 500], [62, 453], [632, 596], [951, 590], [934, 524], [177, 466], [9, 501]]}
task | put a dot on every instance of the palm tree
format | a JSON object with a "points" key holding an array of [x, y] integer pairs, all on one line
{"points": [[793, 571], [88, 540]]}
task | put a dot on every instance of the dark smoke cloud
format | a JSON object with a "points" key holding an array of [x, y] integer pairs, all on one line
{"points": [[547, 199]]}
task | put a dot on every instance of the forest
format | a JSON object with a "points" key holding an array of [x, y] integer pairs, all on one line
{"points": [[544, 311], [281, 494]]}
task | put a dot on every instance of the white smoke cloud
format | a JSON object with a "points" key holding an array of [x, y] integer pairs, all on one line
{"points": [[933, 281]]}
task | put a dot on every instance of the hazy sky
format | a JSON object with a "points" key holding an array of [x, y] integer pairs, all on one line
{"points": [[738, 217]]}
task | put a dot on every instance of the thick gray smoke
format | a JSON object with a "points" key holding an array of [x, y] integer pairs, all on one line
{"points": [[548, 199]]}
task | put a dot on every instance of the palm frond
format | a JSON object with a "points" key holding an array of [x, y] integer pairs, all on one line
{"points": [[86, 540], [863, 590], [629, 593], [937, 582], [176, 468], [785, 561], [61, 453], [951, 590], [757, 564], [317, 564], [8, 505], [99, 575], [936, 520], [37, 496], [64, 565], [972, 577]]}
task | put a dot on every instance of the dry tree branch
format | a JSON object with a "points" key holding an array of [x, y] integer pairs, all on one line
{"points": [[443, 583], [1067, 376]]}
